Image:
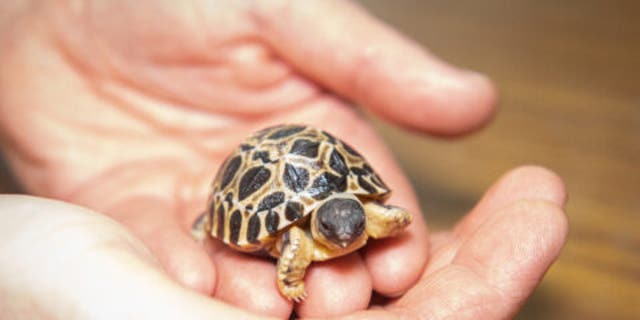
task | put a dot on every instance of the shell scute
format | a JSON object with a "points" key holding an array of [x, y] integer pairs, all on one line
{"points": [[279, 175]]}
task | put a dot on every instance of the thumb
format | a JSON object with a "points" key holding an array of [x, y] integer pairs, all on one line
{"points": [[72, 263], [347, 50]]}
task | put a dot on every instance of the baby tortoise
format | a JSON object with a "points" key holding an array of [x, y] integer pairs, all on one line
{"points": [[301, 195]]}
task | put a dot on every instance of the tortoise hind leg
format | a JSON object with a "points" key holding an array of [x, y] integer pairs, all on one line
{"points": [[201, 227], [296, 253], [385, 221]]}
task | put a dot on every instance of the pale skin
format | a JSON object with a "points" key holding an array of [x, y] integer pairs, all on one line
{"points": [[483, 268], [127, 108]]}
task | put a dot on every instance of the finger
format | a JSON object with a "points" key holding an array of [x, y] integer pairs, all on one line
{"points": [[154, 222], [248, 282], [512, 250], [361, 58], [395, 263], [90, 266], [336, 287], [527, 182]]}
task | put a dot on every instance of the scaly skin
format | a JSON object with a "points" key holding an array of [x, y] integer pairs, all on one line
{"points": [[385, 221], [296, 253], [298, 248]]}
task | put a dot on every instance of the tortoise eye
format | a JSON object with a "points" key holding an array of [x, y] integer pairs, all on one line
{"points": [[324, 225]]}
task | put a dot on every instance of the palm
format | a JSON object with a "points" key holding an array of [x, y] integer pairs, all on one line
{"points": [[149, 126], [156, 96]]}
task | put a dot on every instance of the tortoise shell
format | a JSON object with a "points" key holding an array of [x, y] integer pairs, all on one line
{"points": [[277, 177]]}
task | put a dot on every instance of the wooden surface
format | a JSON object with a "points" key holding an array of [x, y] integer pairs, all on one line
{"points": [[569, 78], [568, 73]]}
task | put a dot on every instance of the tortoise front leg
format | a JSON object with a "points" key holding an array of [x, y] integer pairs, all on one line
{"points": [[296, 253], [385, 221]]}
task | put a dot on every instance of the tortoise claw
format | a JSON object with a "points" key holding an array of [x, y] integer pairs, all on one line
{"points": [[300, 298], [296, 294]]}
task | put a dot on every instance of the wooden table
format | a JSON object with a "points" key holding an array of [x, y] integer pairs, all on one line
{"points": [[568, 73]]}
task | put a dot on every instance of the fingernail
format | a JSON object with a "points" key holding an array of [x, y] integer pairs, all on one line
{"points": [[455, 80]]}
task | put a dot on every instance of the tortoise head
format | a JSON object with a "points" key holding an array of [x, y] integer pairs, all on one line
{"points": [[339, 221]]}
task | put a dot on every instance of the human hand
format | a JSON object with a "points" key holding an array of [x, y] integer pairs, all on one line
{"points": [[129, 107], [493, 259], [61, 261]]}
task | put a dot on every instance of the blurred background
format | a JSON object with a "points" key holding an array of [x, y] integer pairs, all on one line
{"points": [[568, 73]]}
